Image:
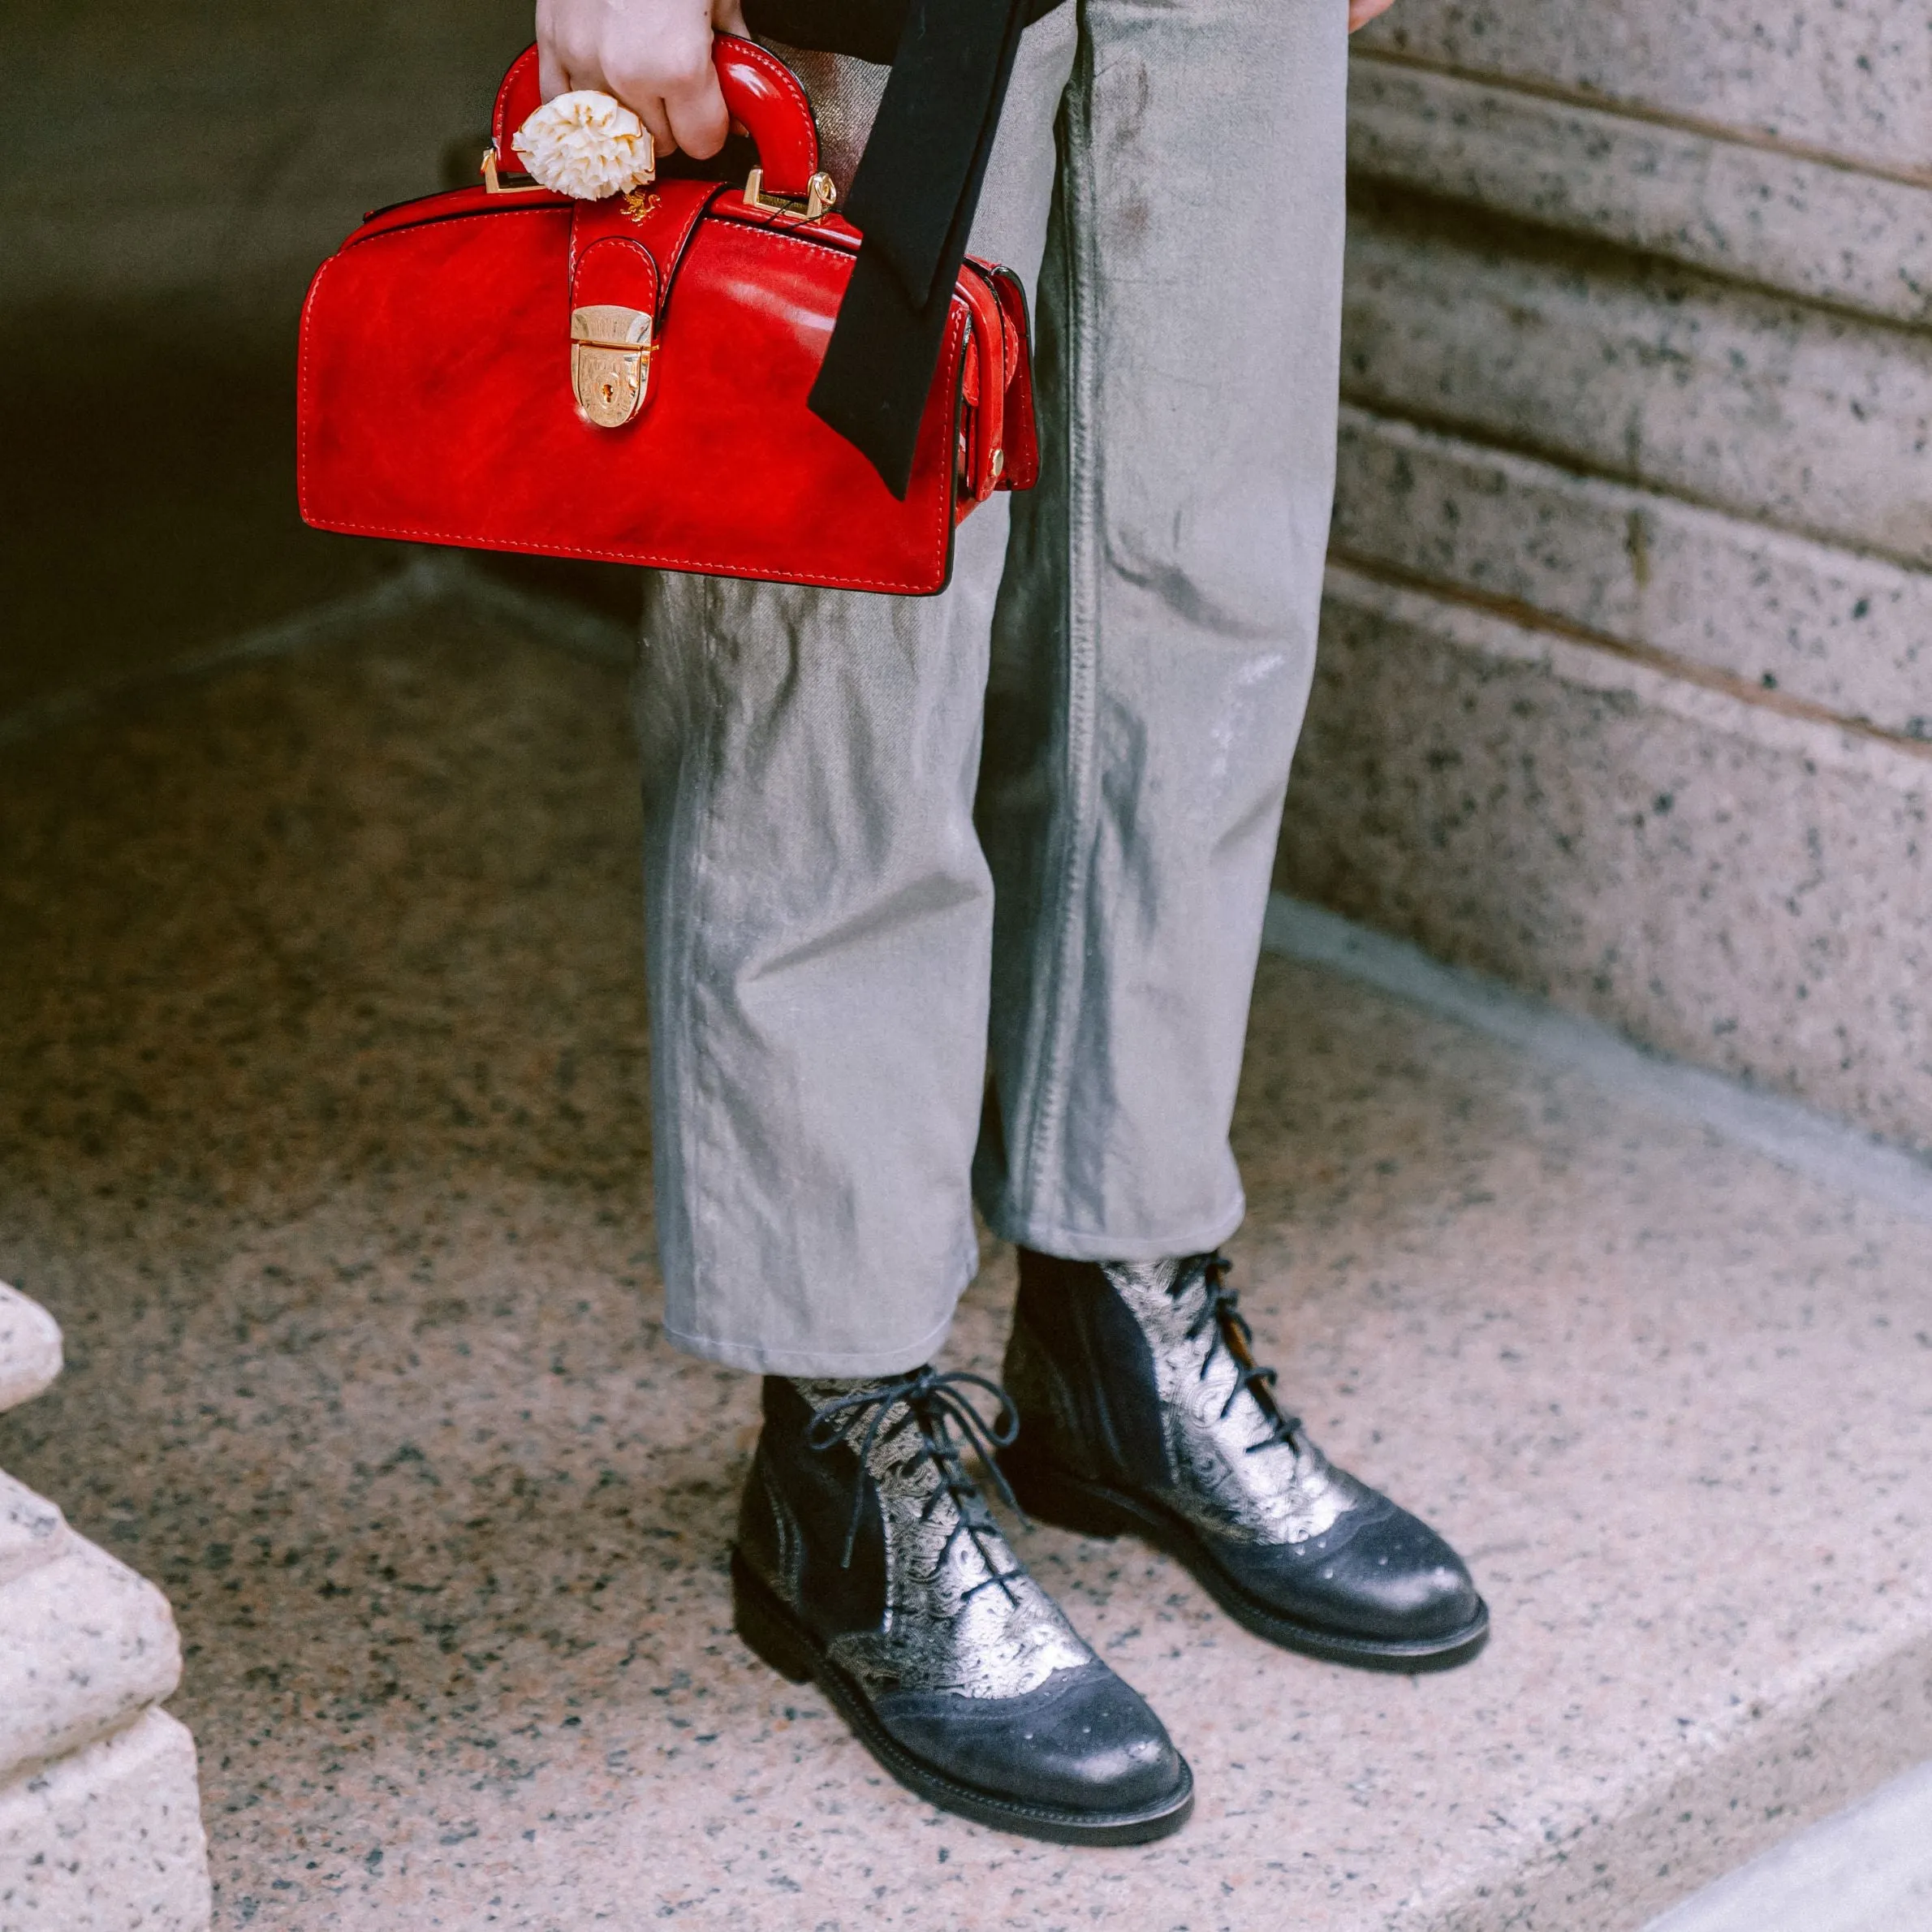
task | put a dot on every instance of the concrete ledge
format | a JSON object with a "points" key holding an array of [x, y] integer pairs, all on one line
{"points": [[109, 1839], [1800, 1141], [1643, 371], [1825, 625], [1849, 85], [1795, 222], [1826, 1734], [1866, 1869], [1742, 889]]}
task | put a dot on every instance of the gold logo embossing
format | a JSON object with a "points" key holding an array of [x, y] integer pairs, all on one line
{"points": [[639, 206]]}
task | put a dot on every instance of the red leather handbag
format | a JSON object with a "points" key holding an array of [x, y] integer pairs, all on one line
{"points": [[505, 368]]}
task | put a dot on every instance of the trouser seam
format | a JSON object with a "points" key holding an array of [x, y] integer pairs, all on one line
{"points": [[689, 997], [1052, 1046]]}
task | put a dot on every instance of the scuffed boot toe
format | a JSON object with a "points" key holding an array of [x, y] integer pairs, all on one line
{"points": [[1380, 1578], [1401, 1580], [1084, 1742]]}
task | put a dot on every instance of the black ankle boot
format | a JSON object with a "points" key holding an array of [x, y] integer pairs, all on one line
{"points": [[1141, 1409], [867, 1560]]}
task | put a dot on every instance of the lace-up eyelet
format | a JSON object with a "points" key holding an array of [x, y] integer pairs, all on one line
{"points": [[935, 1404], [1221, 1314]]}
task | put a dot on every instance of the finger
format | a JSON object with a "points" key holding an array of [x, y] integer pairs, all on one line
{"points": [[1361, 12], [549, 70], [641, 87], [646, 103], [586, 71], [727, 16], [697, 115], [652, 114], [660, 82], [572, 66]]}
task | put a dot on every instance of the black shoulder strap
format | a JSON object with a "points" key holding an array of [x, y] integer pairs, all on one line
{"points": [[913, 199]]}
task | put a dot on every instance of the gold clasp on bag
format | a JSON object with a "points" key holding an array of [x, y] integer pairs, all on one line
{"points": [[820, 194], [610, 352], [494, 184]]}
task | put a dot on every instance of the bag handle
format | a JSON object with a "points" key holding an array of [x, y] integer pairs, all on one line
{"points": [[760, 93]]}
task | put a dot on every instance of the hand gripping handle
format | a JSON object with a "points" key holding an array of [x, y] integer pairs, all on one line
{"points": [[761, 91]]}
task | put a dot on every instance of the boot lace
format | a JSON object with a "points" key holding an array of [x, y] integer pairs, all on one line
{"points": [[1221, 1315], [935, 1405]]}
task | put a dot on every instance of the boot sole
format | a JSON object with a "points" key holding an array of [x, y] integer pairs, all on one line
{"points": [[1090, 1508], [778, 1637]]}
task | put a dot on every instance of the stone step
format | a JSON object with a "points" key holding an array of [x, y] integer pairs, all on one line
{"points": [[1814, 421], [375, 1380], [1867, 1869], [1770, 71], [109, 1839], [1710, 197], [1705, 593], [1732, 884], [1624, 697]]}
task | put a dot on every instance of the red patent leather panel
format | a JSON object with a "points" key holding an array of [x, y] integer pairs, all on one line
{"points": [[983, 383], [662, 219], [435, 405], [435, 402], [613, 268], [517, 99], [659, 222], [1023, 433], [442, 208]]}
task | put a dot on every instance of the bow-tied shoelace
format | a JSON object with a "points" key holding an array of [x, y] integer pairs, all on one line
{"points": [[1221, 1313], [935, 1404]]}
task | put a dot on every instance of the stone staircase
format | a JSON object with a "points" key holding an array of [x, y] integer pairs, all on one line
{"points": [[1626, 690], [333, 1162]]}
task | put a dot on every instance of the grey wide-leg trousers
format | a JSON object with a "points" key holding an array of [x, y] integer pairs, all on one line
{"points": [[1025, 829]]}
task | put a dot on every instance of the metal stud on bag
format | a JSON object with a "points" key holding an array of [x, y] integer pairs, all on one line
{"points": [[610, 352]]}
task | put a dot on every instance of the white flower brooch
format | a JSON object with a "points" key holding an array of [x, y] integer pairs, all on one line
{"points": [[587, 145]]}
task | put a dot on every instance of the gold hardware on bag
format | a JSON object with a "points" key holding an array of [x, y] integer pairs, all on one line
{"points": [[496, 187], [610, 352], [493, 184], [821, 192]]}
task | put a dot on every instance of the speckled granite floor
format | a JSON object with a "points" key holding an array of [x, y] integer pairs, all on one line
{"points": [[322, 1040]]}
